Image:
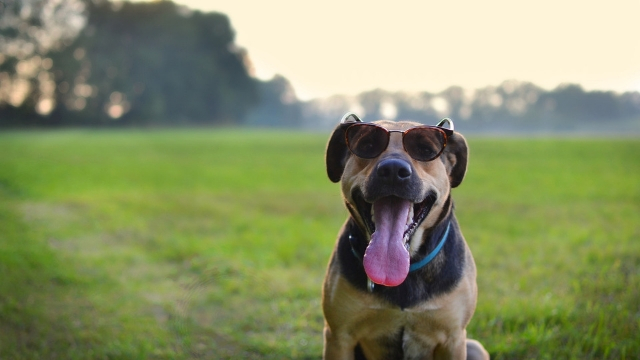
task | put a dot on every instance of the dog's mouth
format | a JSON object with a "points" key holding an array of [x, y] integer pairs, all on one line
{"points": [[391, 221], [417, 212]]}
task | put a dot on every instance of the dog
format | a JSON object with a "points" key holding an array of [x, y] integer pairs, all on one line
{"points": [[401, 282]]}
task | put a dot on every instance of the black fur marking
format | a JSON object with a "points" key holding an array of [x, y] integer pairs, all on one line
{"points": [[358, 354], [395, 346], [436, 278]]}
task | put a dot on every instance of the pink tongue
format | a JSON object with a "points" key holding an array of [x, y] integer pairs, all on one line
{"points": [[386, 260]]}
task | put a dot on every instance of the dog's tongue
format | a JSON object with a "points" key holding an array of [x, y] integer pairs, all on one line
{"points": [[386, 260]]}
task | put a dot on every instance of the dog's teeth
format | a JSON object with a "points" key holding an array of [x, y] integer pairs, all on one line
{"points": [[373, 218], [410, 216]]}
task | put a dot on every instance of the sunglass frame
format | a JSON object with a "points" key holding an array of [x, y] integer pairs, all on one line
{"points": [[446, 132]]}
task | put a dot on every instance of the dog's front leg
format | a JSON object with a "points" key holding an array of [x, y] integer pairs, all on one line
{"points": [[462, 348], [454, 349], [337, 346]]}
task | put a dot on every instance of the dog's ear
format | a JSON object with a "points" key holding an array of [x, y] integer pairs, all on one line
{"points": [[455, 157], [337, 153]]}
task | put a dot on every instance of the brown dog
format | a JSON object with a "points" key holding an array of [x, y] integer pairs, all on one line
{"points": [[401, 283]]}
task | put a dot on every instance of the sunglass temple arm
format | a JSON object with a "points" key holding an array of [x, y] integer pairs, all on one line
{"points": [[347, 118], [446, 120]]}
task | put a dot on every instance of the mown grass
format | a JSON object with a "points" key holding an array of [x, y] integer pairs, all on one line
{"points": [[213, 244]]}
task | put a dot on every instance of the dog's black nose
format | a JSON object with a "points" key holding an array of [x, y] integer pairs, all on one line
{"points": [[393, 170]]}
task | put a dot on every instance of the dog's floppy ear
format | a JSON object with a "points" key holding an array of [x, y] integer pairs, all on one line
{"points": [[337, 153], [455, 157]]}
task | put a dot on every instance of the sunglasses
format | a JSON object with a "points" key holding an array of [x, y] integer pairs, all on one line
{"points": [[422, 143]]}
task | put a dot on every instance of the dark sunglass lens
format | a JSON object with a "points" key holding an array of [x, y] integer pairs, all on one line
{"points": [[367, 141], [424, 144]]}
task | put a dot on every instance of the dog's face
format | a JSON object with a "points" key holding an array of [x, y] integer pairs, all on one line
{"points": [[393, 197]]}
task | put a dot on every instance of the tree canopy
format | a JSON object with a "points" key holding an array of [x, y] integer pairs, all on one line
{"points": [[141, 63]]}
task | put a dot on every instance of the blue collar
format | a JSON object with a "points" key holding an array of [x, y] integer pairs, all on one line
{"points": [[418, 265]]}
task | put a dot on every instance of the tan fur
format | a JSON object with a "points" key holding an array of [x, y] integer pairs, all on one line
{"points": [[434, 329]]}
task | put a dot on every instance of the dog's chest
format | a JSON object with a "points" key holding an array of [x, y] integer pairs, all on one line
{"points": [[390, 333], [402, 344], [415, 347]]}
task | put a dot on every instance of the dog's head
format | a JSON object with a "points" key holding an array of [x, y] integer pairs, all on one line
{"points": [[393, 197]]}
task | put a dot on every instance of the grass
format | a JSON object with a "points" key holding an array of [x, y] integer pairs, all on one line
{"points": [[213, 244]]}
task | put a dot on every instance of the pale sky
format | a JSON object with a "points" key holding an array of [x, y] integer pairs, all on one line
{"points": [[346, 47]]}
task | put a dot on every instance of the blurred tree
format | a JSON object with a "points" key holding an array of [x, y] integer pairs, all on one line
{"points": [[630, 105], [371, 102], [416, 107], [278, 106], [95, 62], [29, 31], [151, 63]]}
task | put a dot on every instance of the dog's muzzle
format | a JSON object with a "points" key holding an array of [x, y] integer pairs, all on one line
{"points": [[393, 177], [391, 208]]}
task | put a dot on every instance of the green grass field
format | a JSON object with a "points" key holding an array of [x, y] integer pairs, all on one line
{"points": [[212, 244]]}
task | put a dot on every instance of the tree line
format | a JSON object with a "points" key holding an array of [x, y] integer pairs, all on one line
{"points": [[121, 63], [510, 106], [102, 63]]}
